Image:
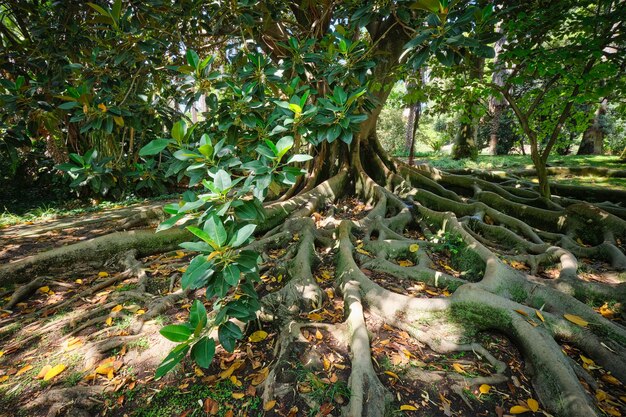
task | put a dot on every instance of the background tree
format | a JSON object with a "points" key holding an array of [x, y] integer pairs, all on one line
{"points": [[567, 71]]}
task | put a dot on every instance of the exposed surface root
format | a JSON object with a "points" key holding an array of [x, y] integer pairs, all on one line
{"points": [[145, 242]]}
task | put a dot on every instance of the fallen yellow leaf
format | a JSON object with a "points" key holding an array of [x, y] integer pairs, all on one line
{"points": [[117, 308], [238, 395], [105, 368], [54, 372], [102, 107], [392, 374], [260, 377], [25, 368], [140, 312], [540, 315], [45, 289], [612, 411], [407, 407], [459, 368], [4, 378], [484, 388], [522, 312], [586, 360], [269, 405], [414, 248], [228, 372], [518, 409], [533, 404], [363, 251], [109, 321], [405, 262], [318, 335], [43, 372], [315, 317], [103, 274], [180, 254], [258, 336], [600, 395], [235, 381], [576, 320], [79, 281], [610, 379]]}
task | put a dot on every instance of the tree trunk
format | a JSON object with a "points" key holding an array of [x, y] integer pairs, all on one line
{"points": [[593, 137], [496, 103], [408, 135], [411, 128], [465, 140], [542, 174], [496, 113]]}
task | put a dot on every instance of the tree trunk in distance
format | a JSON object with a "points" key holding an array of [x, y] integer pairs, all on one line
{"points": [[593, 137], [496, 103], [465, 140]]}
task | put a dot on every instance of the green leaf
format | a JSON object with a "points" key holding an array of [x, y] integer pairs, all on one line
{"points": [[69, 105], [154, 147], [196, 246], [231, 275], [197, 316], [176, 332], [299, 158], [201, 234], [99, 9], [265, 151], [206, 150], [214, 227], [242, 235], [179, 130], [197, 273], [248, 260], [283, 145], [228, 333], [428, 5], [192, 58], [295, 108], [184, 155], [340, 95], [169, 222], [116, 10], [171, 360], [203, 352], [247, 211], [222, 180]]}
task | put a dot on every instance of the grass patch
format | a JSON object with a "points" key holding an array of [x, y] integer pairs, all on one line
{"points": [[172, 401], [497, 162], [15, 215], [322, 392]]}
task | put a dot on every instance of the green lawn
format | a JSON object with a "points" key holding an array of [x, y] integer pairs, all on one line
{"points": [[517, 162], [487, 162]]}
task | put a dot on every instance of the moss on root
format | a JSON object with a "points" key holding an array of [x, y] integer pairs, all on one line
{"points": [[479, 316]]}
